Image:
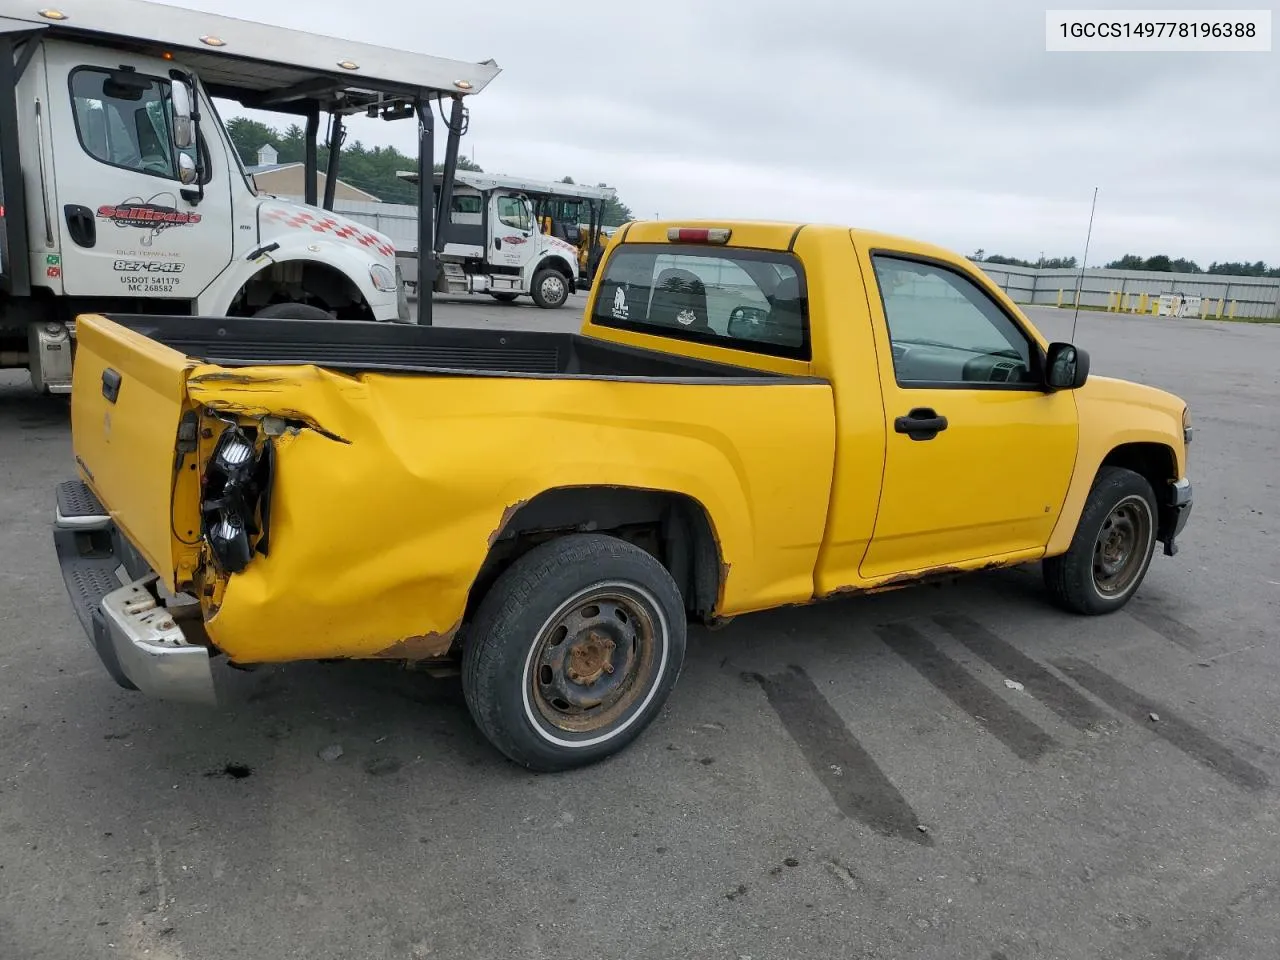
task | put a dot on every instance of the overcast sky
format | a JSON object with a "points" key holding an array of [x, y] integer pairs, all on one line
{"points": [[940, 120]]}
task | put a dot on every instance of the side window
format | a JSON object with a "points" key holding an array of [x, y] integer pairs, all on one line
{"points": [[944, 329], [514, 213], [742, 299], [124, 122]]}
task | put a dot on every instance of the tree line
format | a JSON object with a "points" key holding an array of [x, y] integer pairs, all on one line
{"points": [[372, 169], [1132, 261]]}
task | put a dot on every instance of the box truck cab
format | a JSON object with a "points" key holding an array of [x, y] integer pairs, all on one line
{"points": [[122, 190]]}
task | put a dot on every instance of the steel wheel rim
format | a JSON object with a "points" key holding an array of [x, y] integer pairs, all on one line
{"points": [[594, 665], [1121, 547], [552, 287]]}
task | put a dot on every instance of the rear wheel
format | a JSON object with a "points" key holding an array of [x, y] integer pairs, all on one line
{"points": [[573, 651], [293, 311], [550, 288], [1112, 548]]}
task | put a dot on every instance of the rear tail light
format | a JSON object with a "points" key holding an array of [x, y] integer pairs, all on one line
{"points": [[235, 500], [699, 234]]}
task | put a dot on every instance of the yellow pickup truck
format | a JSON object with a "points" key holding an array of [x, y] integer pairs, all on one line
{"points": [[753, 415]]}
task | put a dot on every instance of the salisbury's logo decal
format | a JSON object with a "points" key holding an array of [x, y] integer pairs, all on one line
{"points": [[149, 215]]}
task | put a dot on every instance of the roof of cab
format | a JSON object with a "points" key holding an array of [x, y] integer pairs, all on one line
{"points": [[256, 64], [485, 182], [782, 235]]}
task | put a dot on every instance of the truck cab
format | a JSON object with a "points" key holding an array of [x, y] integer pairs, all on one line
{"points": [[495, 241], [122, 189]]}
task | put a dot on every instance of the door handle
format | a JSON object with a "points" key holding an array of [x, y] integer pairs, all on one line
{"points": [[80, 224], [922, 423]]}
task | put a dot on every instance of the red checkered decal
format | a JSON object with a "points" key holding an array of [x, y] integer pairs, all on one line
{"points": [[342, 229]]}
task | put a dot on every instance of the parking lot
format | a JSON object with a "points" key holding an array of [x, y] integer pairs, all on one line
{"points": [[852, 780]]}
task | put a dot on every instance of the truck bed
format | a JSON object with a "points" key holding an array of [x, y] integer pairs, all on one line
{"points": [[355, 347]]}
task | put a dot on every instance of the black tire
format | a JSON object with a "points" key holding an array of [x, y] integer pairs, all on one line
{"points": [[293, 311], [551, 288], [1112, 548], [504, 296], [548, 640]]}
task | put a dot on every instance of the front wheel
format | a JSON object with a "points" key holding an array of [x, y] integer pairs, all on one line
{"points": [[550, 288], [573, 651], [293, 311], [1112, 547]]}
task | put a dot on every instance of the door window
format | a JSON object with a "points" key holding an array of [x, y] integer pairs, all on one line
{"points": [[945, 330], [514, 213], [123, 119]]}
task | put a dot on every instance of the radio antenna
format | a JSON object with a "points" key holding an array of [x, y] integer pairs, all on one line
{"points": [[1083, 261]]}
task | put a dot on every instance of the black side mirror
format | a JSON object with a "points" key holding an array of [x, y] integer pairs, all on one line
{"points": [[1066, 367]]}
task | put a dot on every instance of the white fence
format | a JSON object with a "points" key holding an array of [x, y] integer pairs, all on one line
{"points": [[1246, 297]]}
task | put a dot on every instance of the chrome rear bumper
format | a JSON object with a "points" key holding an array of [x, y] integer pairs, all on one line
{"points": [[137, 636]]}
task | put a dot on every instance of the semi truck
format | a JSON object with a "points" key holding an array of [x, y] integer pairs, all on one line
{"points": [[511, 237], [121, 190]]}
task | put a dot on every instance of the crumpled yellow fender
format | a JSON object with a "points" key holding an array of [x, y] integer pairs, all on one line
{"points": [[386, 500]]}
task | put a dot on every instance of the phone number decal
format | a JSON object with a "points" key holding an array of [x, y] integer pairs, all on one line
{"points": [[1134, 31]]}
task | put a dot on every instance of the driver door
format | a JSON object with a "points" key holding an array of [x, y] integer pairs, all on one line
{"points": [[512, 242], [125, 230], [978, 456]]}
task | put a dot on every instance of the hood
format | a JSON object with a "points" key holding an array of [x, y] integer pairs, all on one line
{"points": [[1127, 391], [555, 243], [277, 216]]}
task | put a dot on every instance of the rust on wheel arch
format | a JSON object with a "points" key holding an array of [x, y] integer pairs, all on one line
{"points": [[427, 646], [507, 514]]}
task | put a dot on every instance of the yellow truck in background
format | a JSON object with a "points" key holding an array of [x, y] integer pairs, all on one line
{"points": [[752, 415]]}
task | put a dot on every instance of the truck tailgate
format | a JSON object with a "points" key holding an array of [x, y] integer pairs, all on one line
{"points": [[128, 395]]}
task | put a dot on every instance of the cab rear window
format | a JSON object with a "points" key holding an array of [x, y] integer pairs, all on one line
{"points": [[742, 299]]}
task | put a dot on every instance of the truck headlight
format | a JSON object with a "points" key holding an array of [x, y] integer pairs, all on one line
{"points": [[382, 277], [235, 499]]}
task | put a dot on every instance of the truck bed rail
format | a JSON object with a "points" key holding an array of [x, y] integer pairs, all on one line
{"points": [[393, 347]]}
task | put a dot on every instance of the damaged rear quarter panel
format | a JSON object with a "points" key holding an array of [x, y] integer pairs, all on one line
{"points": [[384, 505]]}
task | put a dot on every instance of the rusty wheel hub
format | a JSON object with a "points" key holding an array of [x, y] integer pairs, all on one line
{"points": [[591, 659], [587, 662], [1120, 550]]}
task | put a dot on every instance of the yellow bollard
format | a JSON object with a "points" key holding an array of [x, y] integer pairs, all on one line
{"points": [[1232, 314], [1155, 306], [1142, 304], [1059, 296], [1218, 314], [1204, 308], [1124, 303]]}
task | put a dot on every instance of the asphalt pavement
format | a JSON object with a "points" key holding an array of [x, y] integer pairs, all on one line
{"points": [[946, 772]]}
